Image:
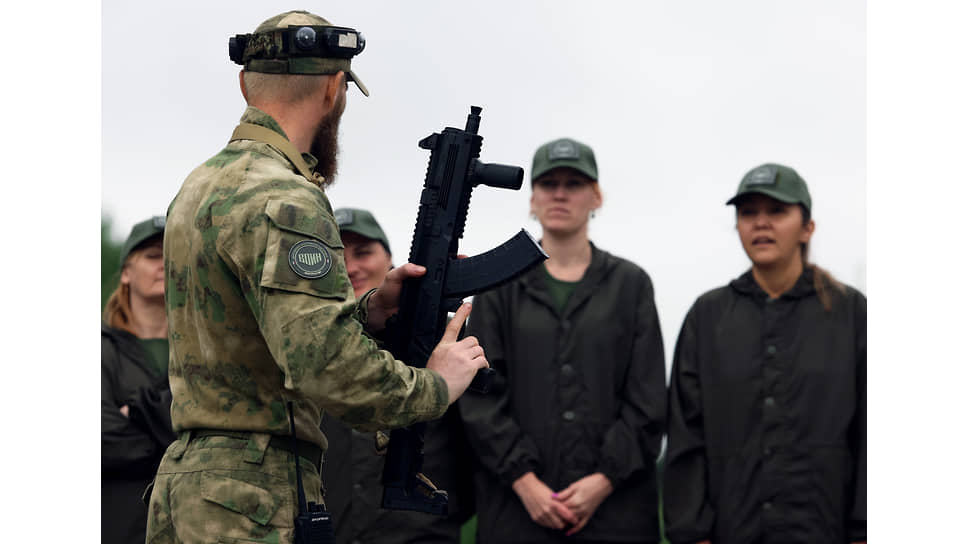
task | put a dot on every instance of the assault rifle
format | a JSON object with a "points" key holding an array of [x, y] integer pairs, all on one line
{"points": [[415, 330]]}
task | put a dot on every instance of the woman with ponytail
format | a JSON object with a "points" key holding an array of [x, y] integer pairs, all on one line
{"points": [[767, 438], [135, 400]]}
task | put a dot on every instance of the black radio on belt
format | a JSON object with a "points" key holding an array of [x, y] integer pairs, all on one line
{"points": [[313, 524]]}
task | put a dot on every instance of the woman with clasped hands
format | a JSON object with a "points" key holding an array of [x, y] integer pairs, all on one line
{"points": [[568, 437]]}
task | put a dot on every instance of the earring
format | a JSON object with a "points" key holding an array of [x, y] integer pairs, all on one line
{"points": [[534, 216], [592, 214]]}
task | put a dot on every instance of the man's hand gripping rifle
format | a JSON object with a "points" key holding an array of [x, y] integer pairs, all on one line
{"points": [[418, 326]]}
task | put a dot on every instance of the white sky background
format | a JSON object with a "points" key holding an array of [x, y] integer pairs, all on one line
{"points": [[678, 100]]}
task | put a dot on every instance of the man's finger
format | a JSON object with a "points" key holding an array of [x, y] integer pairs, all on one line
{"points": [[408, 270], [453, 328], [468, 342]]}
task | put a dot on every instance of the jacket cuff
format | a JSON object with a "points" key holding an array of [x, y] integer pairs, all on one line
{"points": [[361, 313], [614, 471], [519, 469], [443, 393]]}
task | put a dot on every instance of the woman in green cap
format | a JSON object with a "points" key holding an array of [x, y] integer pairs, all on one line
{"points": [[568, 437], [768, 393], [135, 401]]}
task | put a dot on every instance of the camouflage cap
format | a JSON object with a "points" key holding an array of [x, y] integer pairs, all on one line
{"points": [[363, 223], [140, 233], [776, 181], [567, 153], [266, 50]]}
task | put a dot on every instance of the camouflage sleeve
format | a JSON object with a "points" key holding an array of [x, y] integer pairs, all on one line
{"points": [[362, 315], [291, 266]]}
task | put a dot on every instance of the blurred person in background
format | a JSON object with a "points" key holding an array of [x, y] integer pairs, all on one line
{"points": [[352, 469], [568, 437], [135, 400], [768, 393]]}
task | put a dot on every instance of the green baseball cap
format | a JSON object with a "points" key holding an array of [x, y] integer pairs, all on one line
{"points": [[140, 233], [564, 152], [299, 42], [363, 223], [777, 181]]}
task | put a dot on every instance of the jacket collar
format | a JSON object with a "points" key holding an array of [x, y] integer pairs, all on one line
{"points": [[536, 285], [256, 116], [129, 345], [746, 285]]}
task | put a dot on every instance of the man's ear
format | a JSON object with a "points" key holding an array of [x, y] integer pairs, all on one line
{"points": [[335, 83], [245, 93]]}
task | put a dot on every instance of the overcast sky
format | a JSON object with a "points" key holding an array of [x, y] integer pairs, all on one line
{"points": [[678, 100]]}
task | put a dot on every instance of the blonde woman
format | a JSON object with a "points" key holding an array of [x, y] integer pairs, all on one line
{"points": [[135, 423], [568, 438]]}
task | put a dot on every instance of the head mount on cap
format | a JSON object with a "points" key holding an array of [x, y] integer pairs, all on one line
{"points": [[298, 42]]}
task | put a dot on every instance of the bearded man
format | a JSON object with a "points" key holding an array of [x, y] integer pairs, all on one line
{"points": [[263, 324]]}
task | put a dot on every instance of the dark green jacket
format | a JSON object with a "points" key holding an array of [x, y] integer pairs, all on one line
{"points": [[131, 447], [576, 392], [768, 418]]}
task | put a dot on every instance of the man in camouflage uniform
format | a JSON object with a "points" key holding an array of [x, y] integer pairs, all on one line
{"points": [[261, 313]]}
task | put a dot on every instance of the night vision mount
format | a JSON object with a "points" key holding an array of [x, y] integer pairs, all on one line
{"points": [[299, 41]]}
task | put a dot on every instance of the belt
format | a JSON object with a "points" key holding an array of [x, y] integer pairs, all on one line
{"points": [[306, 450]]}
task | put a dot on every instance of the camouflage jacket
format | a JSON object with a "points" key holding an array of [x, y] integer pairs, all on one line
{"points": [[247, 333]]}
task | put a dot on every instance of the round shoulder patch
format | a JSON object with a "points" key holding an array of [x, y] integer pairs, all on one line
{"points": [[310, 259]]}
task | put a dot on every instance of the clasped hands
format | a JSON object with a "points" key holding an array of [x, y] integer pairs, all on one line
{"points": [[570, 508]]}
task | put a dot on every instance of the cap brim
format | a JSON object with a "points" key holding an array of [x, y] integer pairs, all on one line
{"points": [[356, 230], [355, 79], [768, 191], [535, 174], [135, 243]]}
